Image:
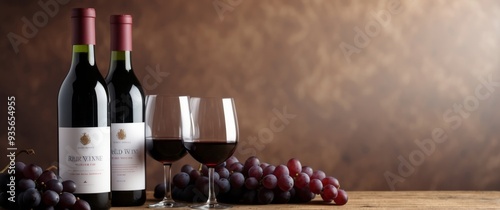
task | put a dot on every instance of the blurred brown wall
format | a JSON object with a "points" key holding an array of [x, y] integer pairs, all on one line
{"points": [[361, 83]]}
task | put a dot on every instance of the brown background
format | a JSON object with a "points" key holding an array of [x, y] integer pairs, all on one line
{"points": [[352, 119]]}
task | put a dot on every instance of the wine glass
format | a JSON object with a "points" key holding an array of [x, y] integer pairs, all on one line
{"points": [[164, 139], [210, 136]]}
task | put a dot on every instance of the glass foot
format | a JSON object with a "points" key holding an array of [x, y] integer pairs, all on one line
{"points": [[167, 204], [211, 206]]}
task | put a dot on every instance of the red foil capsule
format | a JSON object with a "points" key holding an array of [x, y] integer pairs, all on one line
{"points": [[121, 32], [83, 26]]}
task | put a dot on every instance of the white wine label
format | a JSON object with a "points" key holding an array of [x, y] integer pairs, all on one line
{"points": [[84, 158], [127, 156]]}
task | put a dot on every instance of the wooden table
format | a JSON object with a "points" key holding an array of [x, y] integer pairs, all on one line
{"points": [[390, 200]]}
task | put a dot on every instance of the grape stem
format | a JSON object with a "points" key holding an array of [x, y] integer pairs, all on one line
{"points": [[27, 151]]}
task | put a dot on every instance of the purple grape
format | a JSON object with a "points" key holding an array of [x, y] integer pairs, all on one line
{"points": [[302, 180], [25, 184], [223, 172], [249, 197], [81, 205], [32, 171], [50, 198], [230, 161], [255, 171], [331, 180], [307, 170], [54, 185], [329, 193], [315, 185], [264, 165], [251, 161], [269, 181], [159, 191], [294, 166], [66, 200], [181, 180], [318, 174], [193, 176], [251, 183], [19, 170], [341, 198], [31, 198], [265, 196], [268, 170], [285, 182], [187, 168], [46, 176], [202, 184], [236, 167], [69, 186], [204, 170], [281, 196], [224, 185], [281, 170], [304, 195], [237, 180]]}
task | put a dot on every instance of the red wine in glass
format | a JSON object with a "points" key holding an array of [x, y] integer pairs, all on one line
{"points": [[210, 153], [166, 150]]}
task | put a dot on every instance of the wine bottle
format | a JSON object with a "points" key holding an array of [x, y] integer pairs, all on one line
{"points": [[84, 128], [128, 171]]}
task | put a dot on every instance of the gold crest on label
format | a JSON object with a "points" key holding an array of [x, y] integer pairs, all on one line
{"points": [[121, 134], [85, 139]]}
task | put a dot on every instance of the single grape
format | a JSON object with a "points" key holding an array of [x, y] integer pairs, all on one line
{"points": [[269, 181], [31, 198], [224, 185], [181, 180], [230, 161], [331, 180], [281, 196], [46, 176], [281, 170], [251, 161], [188, 193], [159, 191], [222, 165], [307, 170], [69, 186], [265, 196], [255, 171], [285, 182], [329, 193], [251, 183], [176, 192], [54, 185], [294, 166], [223, 172], [50, 198], [81, 205], [249, 197], [316, 186], [193, 176], [302, 180], [236, 167], [25, 184], [268, 170], [318, 174], [237, 180], [19, 170], [216, 176], [204, 170], [341, 198], [32, 171], [187, 168], [66, 200]]}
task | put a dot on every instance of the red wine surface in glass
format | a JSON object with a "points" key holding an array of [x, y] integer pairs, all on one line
{"points": [[166, 150], [210, 153]]}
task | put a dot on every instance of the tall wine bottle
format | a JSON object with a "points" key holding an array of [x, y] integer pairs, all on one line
{"points": [[83, 120], [128, 172]]}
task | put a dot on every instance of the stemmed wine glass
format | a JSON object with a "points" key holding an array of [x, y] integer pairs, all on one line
{"points": [[210, 127], [164, 138]]}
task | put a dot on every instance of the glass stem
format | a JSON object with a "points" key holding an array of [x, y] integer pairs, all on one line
{"points": [[167, 180], [211, 188]]}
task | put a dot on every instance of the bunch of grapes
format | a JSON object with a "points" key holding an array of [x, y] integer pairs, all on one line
{"points": [[38, 189], [253, 182]]}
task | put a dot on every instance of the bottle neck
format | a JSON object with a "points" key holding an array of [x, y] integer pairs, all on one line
{"points": [[83, 54], [121, 60]]}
